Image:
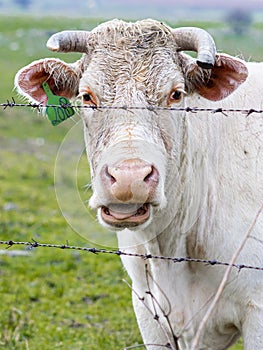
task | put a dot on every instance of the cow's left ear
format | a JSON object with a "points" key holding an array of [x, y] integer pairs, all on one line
{"points": [[226, 76], [62, 78]]}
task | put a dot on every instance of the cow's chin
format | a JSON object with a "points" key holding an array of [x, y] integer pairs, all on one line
{"points": [[121, 216]]}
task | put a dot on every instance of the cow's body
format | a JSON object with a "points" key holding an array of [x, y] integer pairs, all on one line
{"points": [[172, 183]]}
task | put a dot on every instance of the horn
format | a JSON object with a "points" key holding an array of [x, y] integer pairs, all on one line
{"points": [[69, 41], [198, 40]]}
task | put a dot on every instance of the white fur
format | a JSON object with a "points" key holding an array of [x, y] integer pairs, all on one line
{"points": [[219, 202]]}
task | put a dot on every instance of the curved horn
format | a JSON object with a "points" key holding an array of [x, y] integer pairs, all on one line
{"points": [[69, 41], [198, 40]]}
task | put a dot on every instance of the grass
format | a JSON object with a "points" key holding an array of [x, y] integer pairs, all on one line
{"points": [[52, 299], [49, 299]]}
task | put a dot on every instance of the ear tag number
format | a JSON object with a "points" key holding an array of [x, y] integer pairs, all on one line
{"points": [[58, 108]]}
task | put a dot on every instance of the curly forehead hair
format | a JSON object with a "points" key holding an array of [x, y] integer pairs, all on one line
{"points": [[143, 34]]}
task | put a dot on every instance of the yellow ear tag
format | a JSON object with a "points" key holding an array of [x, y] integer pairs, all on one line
{"points": [[58, 108]]}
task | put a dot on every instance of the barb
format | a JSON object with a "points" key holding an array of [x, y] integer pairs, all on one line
{"points": [[12, 103], [35, 244]]}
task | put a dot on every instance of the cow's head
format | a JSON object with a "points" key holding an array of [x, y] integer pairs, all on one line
{"points": [[133, 152]]}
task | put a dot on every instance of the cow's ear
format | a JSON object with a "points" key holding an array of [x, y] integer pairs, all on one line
{"points": [[62, 78], [226, 76]]}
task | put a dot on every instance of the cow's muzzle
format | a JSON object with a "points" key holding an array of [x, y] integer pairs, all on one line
{"points": [[130, 186]]}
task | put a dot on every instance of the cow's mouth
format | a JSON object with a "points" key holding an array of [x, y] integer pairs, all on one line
{"points": [[125, 215]]}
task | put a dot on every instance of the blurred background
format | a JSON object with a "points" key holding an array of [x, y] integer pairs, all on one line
{"points": [[66, 299], [168, 9]]}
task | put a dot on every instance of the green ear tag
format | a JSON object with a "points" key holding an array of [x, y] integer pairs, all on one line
{"points": [[57, 114]]}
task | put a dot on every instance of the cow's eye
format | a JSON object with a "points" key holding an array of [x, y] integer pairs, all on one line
{"points": [[89, 98], [175, 96]]}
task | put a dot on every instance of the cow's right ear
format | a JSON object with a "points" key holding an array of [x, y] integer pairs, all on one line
{"points": [[226, 76], [62, 78]]}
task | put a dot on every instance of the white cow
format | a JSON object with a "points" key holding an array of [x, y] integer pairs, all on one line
{"points": [[170, 182]]}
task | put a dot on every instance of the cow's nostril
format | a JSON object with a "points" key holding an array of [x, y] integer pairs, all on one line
{"points": [[109, 175], [152, 177], [131, 180]]}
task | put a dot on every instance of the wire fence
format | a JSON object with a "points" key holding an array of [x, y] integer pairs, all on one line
{"points": [[208, 262], [40, 106], [212, 262]]}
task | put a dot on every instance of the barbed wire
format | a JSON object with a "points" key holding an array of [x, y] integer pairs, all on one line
{"points": [[35, 244], [38, 106]]}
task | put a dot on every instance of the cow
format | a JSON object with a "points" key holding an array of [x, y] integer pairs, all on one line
{"points": [[170, 182]]}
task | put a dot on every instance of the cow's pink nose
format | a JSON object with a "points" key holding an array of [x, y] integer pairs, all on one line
{"points": [[131, 180]]}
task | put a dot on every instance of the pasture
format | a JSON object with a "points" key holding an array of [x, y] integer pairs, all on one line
{"points": [[56, 299]]}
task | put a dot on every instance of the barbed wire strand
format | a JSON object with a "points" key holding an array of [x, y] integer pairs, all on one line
{"points": [[12, 103], [212, 262]]}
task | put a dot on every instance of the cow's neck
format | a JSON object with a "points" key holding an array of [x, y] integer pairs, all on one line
{"points": [[192, 190], [181, 228]]}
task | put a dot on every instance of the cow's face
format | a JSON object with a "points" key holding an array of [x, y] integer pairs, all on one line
{"points": [[129, 149], [129, 152], [135, 153]]}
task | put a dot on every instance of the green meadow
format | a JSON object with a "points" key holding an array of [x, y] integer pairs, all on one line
{"points": [[50, 298]]}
